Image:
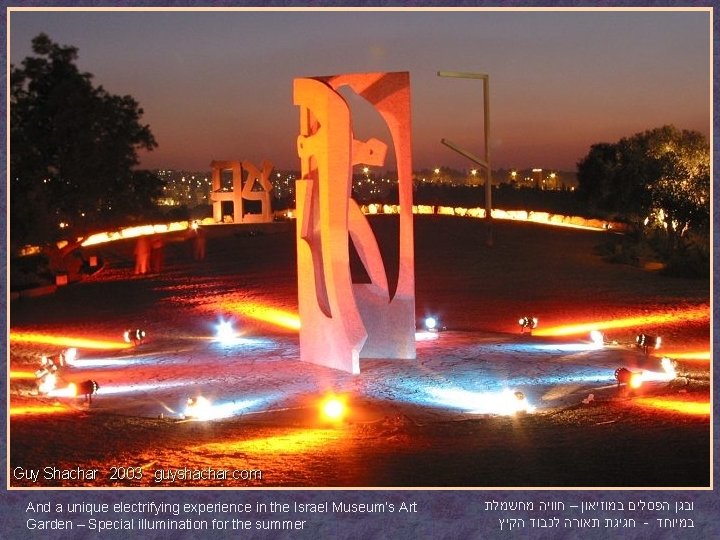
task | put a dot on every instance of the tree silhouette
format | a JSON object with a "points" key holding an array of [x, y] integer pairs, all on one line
{"points": [[73, 149], [656, 178]]}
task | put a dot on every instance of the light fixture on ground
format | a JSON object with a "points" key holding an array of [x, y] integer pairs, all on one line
{"points": [[527, 323], [669, 366], [431, 324], [68, 356], [225, 331], [51, 363], [134, 336], [197, 408], [87, 389], [46, 383], [333, 408], [47, 366], [630, 378], [647, 342], [597, 337]]}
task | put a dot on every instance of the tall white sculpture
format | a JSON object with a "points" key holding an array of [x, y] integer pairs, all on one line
{"points": [[256, 187], [342, 321]]}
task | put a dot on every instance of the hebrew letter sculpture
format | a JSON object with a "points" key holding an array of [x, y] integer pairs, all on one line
{"points": [[343, 321], [218, 195], [241, 192], [262, 193]]}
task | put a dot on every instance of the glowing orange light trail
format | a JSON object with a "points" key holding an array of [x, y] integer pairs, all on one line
{"points": [[699, 356], [658, 319], [291, 442], [39, 409], [66, 341], [134, 232], [22, 375], [696, 408], [267, 314]]}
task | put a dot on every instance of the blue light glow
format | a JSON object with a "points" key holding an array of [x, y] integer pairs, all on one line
{"points": [[503, 402], [225, 332]]}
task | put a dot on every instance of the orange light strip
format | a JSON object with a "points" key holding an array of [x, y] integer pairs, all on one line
{"points": [[39, 409], [700, 356], [66, 341], [134, 232], [297, 442], [264, 313], [691, 314], [22, 375], [695, 408]]}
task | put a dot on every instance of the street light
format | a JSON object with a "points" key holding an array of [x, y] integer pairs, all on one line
{"points": [[485, 160]]}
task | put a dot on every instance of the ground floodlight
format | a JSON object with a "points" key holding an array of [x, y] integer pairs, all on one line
{"points": [[47, 365], [47, 383], [630, 378], [333, 408], [225, 331], [134, 336], [669, 366], [198, 408], [527, 323], [431, 323], [647, 342], [68, 356], [87, 389], [596, 336]]}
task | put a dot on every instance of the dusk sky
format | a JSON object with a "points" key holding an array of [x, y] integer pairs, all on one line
{"points": [[218, 85]]}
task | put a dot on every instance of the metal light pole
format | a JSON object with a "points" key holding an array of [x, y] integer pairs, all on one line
{"points": [[485, 161]]}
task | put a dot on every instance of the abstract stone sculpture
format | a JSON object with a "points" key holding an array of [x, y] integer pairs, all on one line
{"points": [[257, 187], [342, 321]]}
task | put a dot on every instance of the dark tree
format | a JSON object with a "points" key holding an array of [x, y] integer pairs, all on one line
{"points": [[659, 178], [659, 182], [73, 149]]}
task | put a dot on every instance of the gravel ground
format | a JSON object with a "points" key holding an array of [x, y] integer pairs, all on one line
{"points": [[410, 423]]}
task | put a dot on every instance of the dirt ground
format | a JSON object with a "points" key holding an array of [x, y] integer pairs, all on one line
{"points": [[404, 428]]}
